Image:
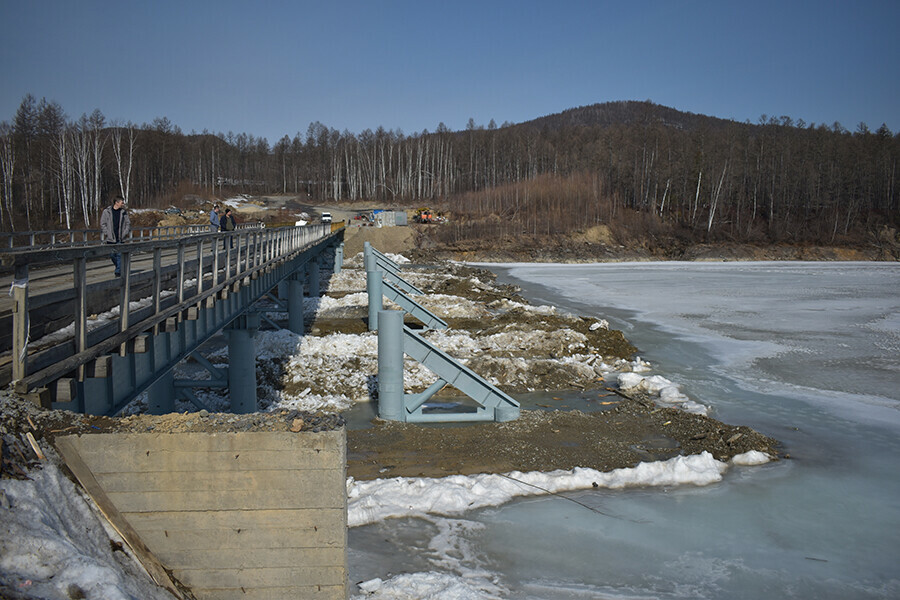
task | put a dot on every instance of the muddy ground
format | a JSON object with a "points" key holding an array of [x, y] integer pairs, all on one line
{"points": [[631, 431]]}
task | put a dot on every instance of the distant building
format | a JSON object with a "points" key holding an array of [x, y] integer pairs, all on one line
{"points": [[389, 218]]}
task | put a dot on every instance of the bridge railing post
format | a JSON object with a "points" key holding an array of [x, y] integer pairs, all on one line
{"points": [[125, 298], [229, 242], [157, 284], [258, 252], [200, 264], [241, 243], [179, 285], [80, 280], [251, 248], [216, 266], [20, 323]]}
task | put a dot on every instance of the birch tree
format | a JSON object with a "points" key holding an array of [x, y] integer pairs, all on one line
{"points": [[97, 141], [7, 170], [81, 148], [124, 143], [64, 145], [715, 199]]}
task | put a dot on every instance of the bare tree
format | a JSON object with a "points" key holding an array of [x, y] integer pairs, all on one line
{"points": [[124, 155], [7, 170], [81, 147], [715, 199], [98, 141], [25, 133], [64, 145]]}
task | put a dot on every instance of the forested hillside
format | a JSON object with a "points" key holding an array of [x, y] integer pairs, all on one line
{"points": [[639, 167]]}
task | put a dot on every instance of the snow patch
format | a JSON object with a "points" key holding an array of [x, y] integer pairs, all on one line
{"points": [[751, 458], [664, 391], [371, 501]]}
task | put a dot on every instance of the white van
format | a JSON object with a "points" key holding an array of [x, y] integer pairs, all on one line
{"points": [[326, 217]]}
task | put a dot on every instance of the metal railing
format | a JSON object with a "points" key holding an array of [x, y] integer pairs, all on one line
{"points": [[37, 240], [189, 270]]}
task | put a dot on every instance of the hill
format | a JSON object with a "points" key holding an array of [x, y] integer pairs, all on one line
{"points": [[626, 112]]}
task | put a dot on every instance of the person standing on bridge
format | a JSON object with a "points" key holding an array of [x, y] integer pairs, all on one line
{"points": [[227, 223], [214, 218], [115, 228]]}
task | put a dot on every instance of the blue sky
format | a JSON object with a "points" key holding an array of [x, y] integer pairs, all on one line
{"points": [[269, 68]]}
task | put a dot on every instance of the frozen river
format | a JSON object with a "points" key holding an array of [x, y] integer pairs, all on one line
{"points": [[808, 353]]}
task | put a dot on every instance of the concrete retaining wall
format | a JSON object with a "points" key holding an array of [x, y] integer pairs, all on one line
{"points": [[232, 515]]}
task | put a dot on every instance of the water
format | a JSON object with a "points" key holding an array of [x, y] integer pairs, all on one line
{"points": [[808, 353]]}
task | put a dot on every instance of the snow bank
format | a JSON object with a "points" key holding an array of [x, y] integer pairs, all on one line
{"points": [[348, 280], [55, 546], [506, 304], [453, 307], [536, 342], [371, 501]]}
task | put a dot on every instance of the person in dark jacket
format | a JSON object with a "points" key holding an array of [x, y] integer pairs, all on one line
{"points": [[227, 223], [115, 228]]}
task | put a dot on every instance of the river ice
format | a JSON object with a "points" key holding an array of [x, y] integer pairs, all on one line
{"points": [[805, 352]]}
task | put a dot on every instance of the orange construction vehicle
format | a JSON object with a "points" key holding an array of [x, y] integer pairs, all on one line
{"points": [[424, 215]]}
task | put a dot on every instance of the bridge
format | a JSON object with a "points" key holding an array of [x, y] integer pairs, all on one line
{"points": [[74, 336]]}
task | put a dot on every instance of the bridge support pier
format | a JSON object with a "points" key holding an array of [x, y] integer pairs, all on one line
{"points": [[312, 276], [394, 341], [161, 395], [242, 363], [295, 304], [375, 292], [370, 261], [338, 258], [390, 364]]}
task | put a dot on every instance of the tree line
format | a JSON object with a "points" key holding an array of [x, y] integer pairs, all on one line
{"points": [[774, 180]]}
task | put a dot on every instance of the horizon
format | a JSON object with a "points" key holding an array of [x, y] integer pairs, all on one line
{"points": [[271, 143], [273, 69]]}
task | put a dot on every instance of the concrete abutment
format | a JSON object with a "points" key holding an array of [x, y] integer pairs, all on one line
{"points": [[231, 515]]}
